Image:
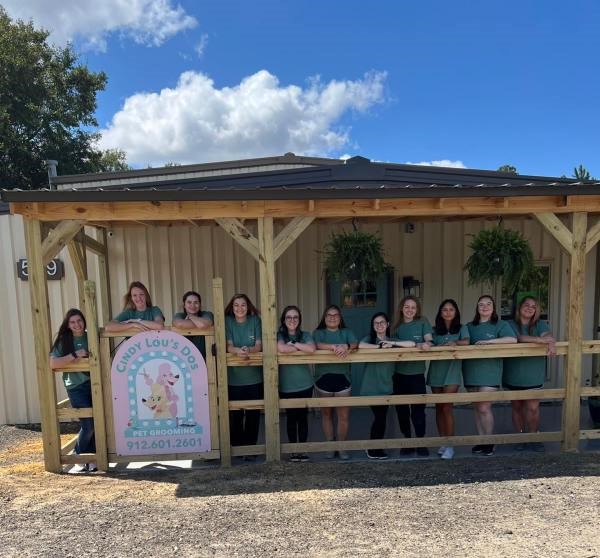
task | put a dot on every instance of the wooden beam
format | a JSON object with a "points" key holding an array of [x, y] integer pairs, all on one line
{"points": [[80, 267], [592, 237], [557, 229], [222, 383], [105, 368], [96, 375], [103, 276], [40, 311], [289, 234], [93, 245], [59, 237], [394, 207], [236, 229], [213, 399], [571, 408], [266, 267]]}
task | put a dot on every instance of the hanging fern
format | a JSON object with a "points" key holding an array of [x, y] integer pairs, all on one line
{"points": [[499, 254], [355, 255]]}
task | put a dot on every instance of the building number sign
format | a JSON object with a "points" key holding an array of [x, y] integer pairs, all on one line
{"points": [[54, 270]]}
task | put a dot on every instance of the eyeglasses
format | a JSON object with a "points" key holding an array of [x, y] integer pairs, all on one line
{"points": [[484, 304], [292, 318], [332, 315], [378, 323]]}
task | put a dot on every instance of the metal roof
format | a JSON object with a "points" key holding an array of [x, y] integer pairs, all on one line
{"points": [[356, 178]]}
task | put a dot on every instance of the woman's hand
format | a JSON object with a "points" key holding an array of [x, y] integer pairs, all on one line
{"points": [[426, 345], [341, 351], [244, 352], [552, 349], [82, 353]]}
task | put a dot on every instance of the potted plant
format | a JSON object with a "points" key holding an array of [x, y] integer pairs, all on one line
{"points": [[499, 253], [355, 256]]}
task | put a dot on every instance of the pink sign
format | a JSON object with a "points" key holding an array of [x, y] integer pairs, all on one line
{"points": [[160, 396]]}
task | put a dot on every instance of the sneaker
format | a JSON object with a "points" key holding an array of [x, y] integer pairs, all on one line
{"points": [[423, 452], [78, 468], [488, 450], [479, 449], [376, 454], [344, 455], [302, 457], [448, 453], [329, 454], [92, 467], [407, 451], [536, 446], [441, 450], [294, 458]]}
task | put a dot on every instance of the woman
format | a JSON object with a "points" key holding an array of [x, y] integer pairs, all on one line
{"points": [[528, 372], [333, 380], [485, 374], [193, 317], [138, 312], [377, 379], [69, 346], [409, 377], [445, 376], [295, 380], [243, 330]]}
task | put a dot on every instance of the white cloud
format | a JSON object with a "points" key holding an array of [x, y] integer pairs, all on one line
{"points": [[197, 122], [441, 163], [201, 46], [147, 22]]}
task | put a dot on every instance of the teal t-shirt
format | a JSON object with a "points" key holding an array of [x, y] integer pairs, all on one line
{"points": [[337, 337], [377, 378], [446, 372], [412, 331], [244, 334], [73, 379], [526, 371], [295, 377], [485, 371], [148, 314], [197, 340]]}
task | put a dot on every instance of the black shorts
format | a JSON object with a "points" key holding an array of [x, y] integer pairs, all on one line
{"points": [[517, 388], [333, 382]]}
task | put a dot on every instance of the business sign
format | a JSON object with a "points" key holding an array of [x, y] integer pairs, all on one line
{"points": [[160, 396], [55, 269]]}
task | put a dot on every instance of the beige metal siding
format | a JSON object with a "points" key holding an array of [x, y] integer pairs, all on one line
{"points": [[171, 260]]}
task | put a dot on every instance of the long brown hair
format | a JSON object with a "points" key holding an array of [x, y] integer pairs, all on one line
{"points": [[493, 317], [128, 302], [64, 337], [536, 317], [400, 316], [332, 307], [252, 310]]}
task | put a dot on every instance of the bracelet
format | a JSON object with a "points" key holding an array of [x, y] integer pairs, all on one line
{"points": [[74, 354]]}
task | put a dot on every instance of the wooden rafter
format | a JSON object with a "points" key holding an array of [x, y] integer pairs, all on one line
{"points": [[59, 237], [593, 236], [290, 233], [93, 245], [236, 229], [557, 229]]}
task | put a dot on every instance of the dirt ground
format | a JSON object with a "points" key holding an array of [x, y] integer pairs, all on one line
{"points": [[534, 505]]}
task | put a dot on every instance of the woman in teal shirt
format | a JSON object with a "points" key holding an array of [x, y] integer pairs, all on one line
{"points": [[445, 376], [333, 380], [243, 330], [193, 317], [138, 312], [69, 346], [377, 379], [485, 374], [528, 372], [409, 378], [295, 380]]}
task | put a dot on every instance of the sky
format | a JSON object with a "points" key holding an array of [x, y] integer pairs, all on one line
{"points": [[462, 83]]}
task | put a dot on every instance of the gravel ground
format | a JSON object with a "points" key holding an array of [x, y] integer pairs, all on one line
{"points": [[531, 505]]}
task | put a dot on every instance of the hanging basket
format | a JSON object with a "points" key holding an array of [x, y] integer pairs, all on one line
{"points": [[499, 254]]}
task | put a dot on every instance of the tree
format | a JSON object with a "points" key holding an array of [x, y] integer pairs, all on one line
{"points": [[508, 169], [111, 160], [47, 104], [581, 173]]}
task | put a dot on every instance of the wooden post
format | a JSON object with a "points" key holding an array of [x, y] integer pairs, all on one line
{"points": [[38, 290], [221, 344], [91, 314], [572, 403], [213, 400], [105, 369], [266, 265], [77, 255], [103, 271]]}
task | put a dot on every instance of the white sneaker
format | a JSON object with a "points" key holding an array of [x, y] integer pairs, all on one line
{"points": [[448, 453], [92, 467], [441, 450], [78, 468], [344, 455]]}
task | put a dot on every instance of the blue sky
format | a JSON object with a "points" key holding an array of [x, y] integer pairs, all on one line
{"points": [[478, 84]]}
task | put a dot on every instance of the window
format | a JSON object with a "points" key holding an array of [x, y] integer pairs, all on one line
{"points": [[537, 285], [357, 294]]}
